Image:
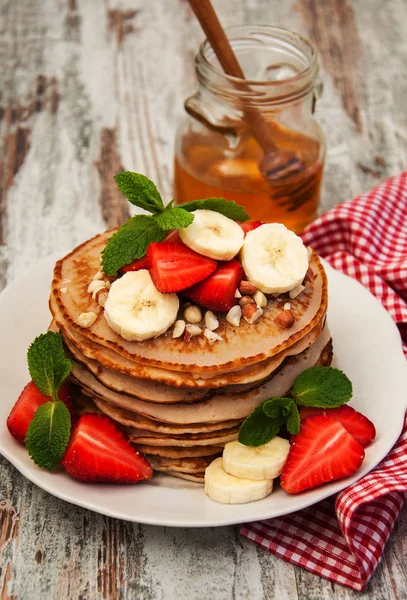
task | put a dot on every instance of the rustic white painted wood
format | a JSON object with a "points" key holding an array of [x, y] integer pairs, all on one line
{"points": [[90, 87]]}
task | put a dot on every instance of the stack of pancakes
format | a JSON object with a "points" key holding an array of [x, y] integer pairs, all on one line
{"points": [[180, 401]]}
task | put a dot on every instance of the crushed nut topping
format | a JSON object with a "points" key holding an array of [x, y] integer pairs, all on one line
{"points": [[179, 328], [212, 336], [251, 312], [285, 319], [211, 321], [87, 319], [234, 315], [193, 314]]}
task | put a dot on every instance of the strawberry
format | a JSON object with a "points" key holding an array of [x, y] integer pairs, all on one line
{"points": [[249, 225], [23, 410], [217, 292], [175, 267], [136, 265], [357, 424], [100, 452], [321, 452], [172, 236]]}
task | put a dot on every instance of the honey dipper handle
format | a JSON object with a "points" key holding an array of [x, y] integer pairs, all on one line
{"points": [[215, 33]]}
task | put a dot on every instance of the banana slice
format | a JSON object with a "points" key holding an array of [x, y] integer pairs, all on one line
{"points": [[228, 489], [263, 462], [214, 235], [274, 258], [136, 310]]}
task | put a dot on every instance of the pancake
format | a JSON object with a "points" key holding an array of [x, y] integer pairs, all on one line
{"points": [[215, 438], [140, 423], [221, 407], [182, 465], [197, 478], [242, 346], [84, 349], [129, 378], [179, 452]]}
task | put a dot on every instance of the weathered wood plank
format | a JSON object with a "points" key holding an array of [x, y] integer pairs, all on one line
{"points": [[88, 88]]}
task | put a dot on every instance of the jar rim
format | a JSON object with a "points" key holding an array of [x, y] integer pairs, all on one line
{"points": [[296, 85]]}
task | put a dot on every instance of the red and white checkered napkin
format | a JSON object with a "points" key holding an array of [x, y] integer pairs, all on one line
{"points": [[342, 539]]}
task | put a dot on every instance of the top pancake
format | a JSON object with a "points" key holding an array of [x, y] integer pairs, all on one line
{"points": [[242, 346]]}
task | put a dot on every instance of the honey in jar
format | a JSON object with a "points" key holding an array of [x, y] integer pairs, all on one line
{"points": [[217, 153]]}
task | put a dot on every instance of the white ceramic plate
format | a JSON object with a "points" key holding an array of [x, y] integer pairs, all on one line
{"points": [[366, 345]]}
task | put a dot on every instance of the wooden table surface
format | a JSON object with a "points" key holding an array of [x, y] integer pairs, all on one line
{"points": [[88, 88]]}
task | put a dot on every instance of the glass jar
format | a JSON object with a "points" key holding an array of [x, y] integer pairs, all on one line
{"points": [[221, 152]]}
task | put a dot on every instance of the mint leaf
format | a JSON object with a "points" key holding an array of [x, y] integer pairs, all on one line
{"points": [[324, 387], [48, 434], [47, 364], [140, 190], [294, 421], [173, 218], [278, 408], [130, 242], [225, 207], [258, 428]]}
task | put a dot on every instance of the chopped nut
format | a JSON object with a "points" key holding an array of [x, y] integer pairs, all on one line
{"points": [[211, 321], [63, 290], [187, 336], [193, 329], [98, 275], [108, 284], [296, 291], [234, 315], [285, 319], [246, 300], [101, 296], [246, 288], [260, 299], [87, 319], [212, 337], [287, 306], [95, 285], [309, 275], [193, 314], [179, 328], [251, 312], [238, 294]]}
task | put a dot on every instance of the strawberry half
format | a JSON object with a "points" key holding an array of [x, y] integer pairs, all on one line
{"points": [[100, 452], [29, 400], [175, 267], [357, 424], [136, 265], [323, 451], [217, 292], [249, 225]]}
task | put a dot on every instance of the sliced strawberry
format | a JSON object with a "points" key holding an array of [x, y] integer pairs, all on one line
{"points": [[357, 424], [136, 265], [249, 225], [23, 410], [175, 267], [100, 452], [321, 452], [217, 292], [172, 236]]}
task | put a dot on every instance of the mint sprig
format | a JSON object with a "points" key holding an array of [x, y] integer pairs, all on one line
{"points": [[47, 364], [322, 387], [48, 434], [130, 242], [49, 431], [140, 191]]}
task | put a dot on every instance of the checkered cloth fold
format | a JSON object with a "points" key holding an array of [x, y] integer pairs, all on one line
{"points": [[342, 539]]}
